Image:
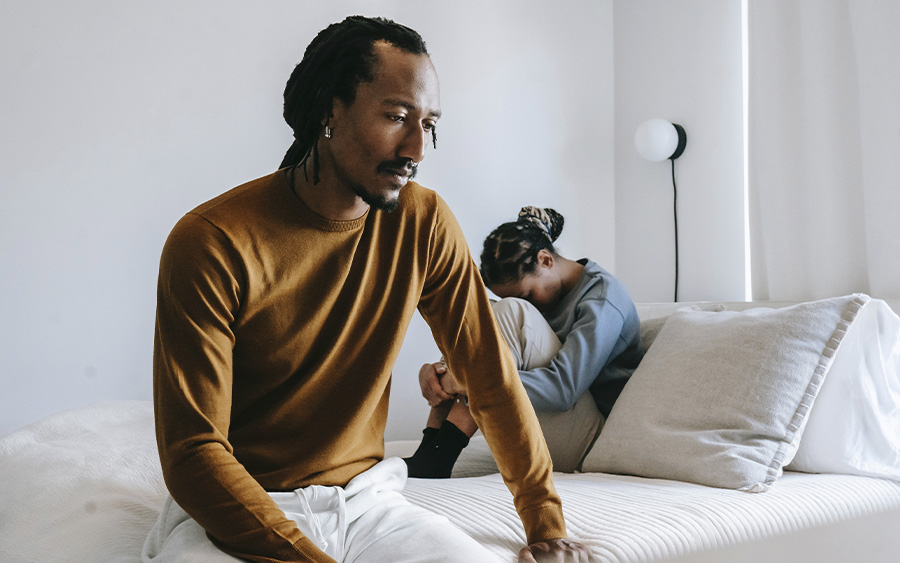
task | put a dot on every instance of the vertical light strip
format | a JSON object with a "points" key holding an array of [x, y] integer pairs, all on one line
{"points": [[745, 64]]}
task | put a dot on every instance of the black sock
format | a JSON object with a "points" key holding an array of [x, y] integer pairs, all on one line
{"points": [[436, 459], [428, 435]]}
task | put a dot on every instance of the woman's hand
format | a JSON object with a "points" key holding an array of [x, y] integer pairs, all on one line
{"points": [[450, 384], [555, 551], [430, 376]]}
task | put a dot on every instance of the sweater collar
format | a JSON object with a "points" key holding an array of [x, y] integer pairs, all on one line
{"points": [[314, 219]]}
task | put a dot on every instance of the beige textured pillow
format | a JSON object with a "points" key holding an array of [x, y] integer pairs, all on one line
{"points": [[720, 398], [650, 328]]}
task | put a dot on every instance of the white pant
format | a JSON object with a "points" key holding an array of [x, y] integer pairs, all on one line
{"points": [[569, 435], [369, 520]]}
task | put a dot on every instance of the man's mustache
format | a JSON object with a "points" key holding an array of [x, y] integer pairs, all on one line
{"points": [[401, 166]]}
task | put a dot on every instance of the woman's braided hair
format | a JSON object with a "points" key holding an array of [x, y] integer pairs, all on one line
{"points": [[339, 58], [510, 251]]}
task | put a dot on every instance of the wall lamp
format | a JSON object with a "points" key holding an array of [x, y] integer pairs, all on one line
{"points": [[658, 140]]}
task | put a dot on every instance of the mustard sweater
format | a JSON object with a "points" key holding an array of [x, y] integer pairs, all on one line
{"points": [[276, 333]]}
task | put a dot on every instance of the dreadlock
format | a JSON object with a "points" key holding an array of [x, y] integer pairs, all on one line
{"points": [[510, 251], [339, 58]]}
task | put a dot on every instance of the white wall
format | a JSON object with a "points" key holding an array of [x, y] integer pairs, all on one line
{"points": [[119, 117], [680, 61]]}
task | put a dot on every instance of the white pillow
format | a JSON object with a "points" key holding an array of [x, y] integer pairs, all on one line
{"points": [[854, 426], [721, 398]]}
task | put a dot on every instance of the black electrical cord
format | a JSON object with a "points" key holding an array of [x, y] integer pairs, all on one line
{"points": [[675, 213]]}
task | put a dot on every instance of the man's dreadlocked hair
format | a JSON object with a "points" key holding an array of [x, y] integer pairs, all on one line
{"points": [[510, 251], [339, 58]]}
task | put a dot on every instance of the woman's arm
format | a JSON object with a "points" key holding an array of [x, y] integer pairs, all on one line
{"points": [[598, 335]]}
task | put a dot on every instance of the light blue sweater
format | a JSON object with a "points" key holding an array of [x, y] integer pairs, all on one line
{"points": [[600, 331]]}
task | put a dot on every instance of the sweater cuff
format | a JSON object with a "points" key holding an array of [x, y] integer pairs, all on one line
{"points": [[544, 523]]}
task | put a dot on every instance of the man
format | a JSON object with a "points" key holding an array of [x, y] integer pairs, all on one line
{"points": [[281, 309]]}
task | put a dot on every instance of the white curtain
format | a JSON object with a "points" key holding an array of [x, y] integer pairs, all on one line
{"points": [[824, 147]]}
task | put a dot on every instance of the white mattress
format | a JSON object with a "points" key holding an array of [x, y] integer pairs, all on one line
{"points": [[85, 485], [634, 519]]}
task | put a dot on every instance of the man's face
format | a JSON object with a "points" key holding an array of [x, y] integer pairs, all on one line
{"points": [[380, 138]]}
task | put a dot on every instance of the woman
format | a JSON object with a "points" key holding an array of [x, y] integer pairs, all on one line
{"points": [[574, 333]]}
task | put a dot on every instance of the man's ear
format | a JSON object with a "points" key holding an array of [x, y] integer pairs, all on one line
{"points": [[336, 112]]}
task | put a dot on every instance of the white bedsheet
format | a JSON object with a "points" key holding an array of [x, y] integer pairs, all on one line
{"points": [[633, 519], [80, 486], [85, 486], [629, 519]]}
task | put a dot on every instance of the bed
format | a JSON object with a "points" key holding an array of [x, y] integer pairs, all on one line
{"points": [[85, 484]]}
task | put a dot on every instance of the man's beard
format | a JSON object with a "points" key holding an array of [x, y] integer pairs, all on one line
{"points": [[381, 202], [376, 201]]}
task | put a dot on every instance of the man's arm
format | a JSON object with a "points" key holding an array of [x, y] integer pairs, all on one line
{"points": [[198, 295], [455, 304]]}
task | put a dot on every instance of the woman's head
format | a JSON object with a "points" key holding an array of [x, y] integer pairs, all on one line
{"points": [[518, 257]]}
